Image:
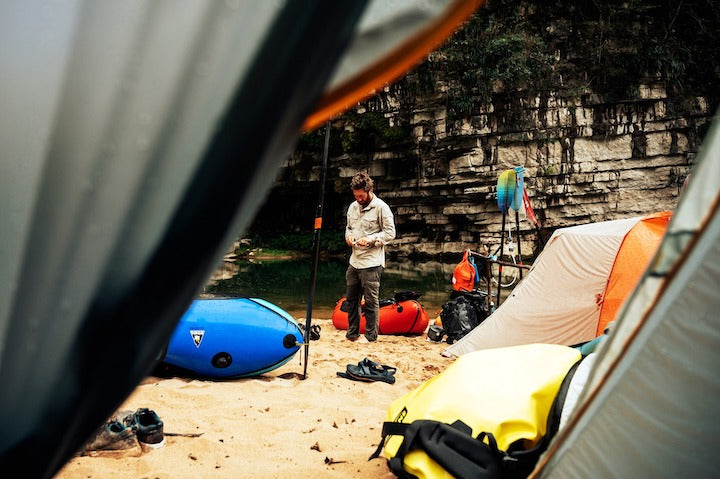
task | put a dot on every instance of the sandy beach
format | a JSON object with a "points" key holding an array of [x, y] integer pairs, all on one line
{"points": [[278, 424]]}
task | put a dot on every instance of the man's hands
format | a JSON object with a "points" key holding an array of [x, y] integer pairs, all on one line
{"points": [[351, 241]]}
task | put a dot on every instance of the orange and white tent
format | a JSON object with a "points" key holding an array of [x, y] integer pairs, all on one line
{"points": [[575, 287], [650, 405]]}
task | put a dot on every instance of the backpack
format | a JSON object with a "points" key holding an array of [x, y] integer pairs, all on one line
{"points": [[478, 299], [512, 398], [464, 274], [458, 317]]}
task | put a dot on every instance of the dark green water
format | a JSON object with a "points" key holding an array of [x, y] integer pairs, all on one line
{"points": [[287, 283]]}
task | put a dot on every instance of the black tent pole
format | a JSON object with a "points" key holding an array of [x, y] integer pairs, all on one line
{"points": [[316, 247], [517, 229], [500, 266]]}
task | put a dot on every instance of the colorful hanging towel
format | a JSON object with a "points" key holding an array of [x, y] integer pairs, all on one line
{"points": [[517, 201], [505, 189]]}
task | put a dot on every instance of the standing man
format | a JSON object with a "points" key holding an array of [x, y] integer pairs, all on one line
{"points": [[370, 225]]}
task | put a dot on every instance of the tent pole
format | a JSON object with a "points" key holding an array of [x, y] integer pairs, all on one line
{"points": [[517, 229], [488, 270], [316, 247], [517, 203], [500, 266]]}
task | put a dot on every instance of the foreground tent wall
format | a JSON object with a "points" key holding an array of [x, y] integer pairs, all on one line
{"points": [[562, 298], [651, 406], [137, 140]]}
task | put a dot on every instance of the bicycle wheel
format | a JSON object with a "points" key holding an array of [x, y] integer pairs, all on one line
{"points": [[509, 273]]}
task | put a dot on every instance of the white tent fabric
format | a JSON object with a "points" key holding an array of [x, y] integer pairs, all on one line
{"points": [[651, 406], [576, 387], [556, 301]]}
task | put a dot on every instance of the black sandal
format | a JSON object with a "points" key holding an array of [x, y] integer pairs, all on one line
{"points": [[347, 376], [314, 331], [367, 370], [372, 364]]}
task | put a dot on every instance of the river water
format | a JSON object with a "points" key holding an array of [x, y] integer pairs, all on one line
{"points": [[286, 283]]}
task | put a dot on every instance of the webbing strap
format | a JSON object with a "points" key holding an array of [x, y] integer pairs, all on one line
{"points": [[389, 429], [450, 445]]}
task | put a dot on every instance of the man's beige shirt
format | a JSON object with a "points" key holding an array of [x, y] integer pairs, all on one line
{"points": [[375, 222]]}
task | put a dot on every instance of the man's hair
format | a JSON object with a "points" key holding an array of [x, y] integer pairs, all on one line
{"points": [[361, 181]]}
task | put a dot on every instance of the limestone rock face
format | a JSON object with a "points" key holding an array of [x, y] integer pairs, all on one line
{"points": [[584, 160]]}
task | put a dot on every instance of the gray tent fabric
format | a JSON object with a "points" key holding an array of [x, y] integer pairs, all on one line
{"points": [[137, 140], [650, 408]]}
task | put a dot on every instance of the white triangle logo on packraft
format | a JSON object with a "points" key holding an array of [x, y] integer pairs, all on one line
{"points": [[197, 336]]}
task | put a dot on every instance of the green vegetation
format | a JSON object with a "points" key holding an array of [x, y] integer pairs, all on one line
{"points": [[286, 244], [362, 133], [514, 49], [368, 131], [491, 57], [575, 48], [551, 169]]}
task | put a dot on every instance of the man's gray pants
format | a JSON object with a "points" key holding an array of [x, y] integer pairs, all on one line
{"points": [[363, 282]]}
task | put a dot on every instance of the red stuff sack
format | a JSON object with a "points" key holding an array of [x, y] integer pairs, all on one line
{"points": [[463, 278]]}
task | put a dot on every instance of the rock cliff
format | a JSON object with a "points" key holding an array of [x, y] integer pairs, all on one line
{"points": [[604, 129], [584, 161]]}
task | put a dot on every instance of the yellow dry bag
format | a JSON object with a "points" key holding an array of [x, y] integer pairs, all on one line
{"points": [[502, 395]]}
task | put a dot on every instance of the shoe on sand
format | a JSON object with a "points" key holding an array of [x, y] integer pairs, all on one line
{"points": [[149, 429], [314, 331], [367, 370], [112, 436], [126, 417]]}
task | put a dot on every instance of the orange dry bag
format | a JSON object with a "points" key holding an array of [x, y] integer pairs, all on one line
{"points": [[463, 278]]}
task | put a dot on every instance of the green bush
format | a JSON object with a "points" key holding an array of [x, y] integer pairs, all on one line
{"points": [[331, 242], [609, 48]]}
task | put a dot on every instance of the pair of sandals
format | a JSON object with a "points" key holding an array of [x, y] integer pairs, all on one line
{"points": [[314, 331], [368, 371]]}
